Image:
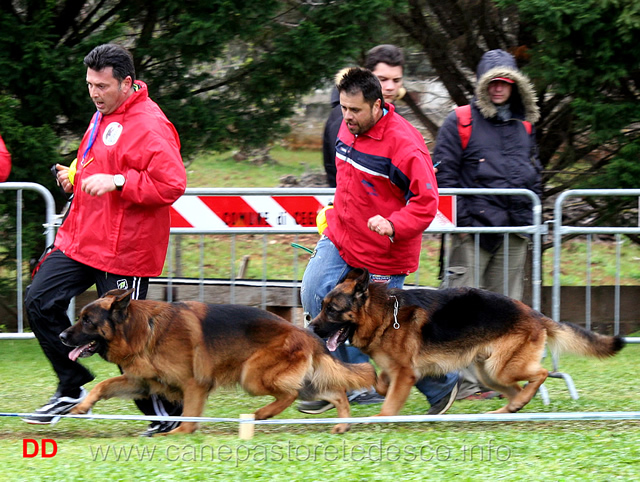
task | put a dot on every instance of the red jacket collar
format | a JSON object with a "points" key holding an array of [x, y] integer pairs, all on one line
{"points": [[140, 94], [377, 131]]}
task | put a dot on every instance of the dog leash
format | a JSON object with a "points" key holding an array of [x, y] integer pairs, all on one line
{"points": [[296, 245], [396, 325]]}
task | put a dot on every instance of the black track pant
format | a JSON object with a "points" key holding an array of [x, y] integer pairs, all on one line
{"points": [[47, 299]]}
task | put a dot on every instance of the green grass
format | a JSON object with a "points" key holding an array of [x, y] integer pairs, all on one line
{"points": [[221, 170], [573, 266], [602, 450]]}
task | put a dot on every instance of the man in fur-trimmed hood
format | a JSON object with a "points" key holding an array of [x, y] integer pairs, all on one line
{"points": [[500, 66], [501, 153]]}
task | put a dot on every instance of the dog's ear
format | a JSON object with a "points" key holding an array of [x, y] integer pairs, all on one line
{"points": [[115, 292], [361, 277], [121, 302], [357, 274]]}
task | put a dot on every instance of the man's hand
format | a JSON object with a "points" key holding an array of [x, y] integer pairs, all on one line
{"points": [[98, 184], [63, 178], [380, 225]]}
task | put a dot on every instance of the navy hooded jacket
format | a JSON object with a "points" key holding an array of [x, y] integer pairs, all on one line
{"points": [[500, 153]]}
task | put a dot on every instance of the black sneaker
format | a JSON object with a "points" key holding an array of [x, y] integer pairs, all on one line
{"points": [[51, 411], [160, 427], [445, 402], [321, 406], [315, 407], [367, 398]]}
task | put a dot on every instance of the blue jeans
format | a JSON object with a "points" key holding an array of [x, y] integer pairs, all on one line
{"points": [[325, 270]]}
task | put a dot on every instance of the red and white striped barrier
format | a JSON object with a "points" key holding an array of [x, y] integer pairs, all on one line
{"points": [[255, 211]]}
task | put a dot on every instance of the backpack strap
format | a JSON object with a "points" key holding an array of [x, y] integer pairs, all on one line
{"points": [[463, 114]]}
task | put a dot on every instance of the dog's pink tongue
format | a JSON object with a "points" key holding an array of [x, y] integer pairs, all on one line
{"points": [[332, 341], [75, 353]]}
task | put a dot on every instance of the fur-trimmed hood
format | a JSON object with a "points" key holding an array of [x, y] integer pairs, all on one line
{"points": [[523, 100]]}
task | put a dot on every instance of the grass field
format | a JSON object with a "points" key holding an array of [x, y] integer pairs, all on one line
{"points": [[112, 450], [221, 170], [538, 451]]}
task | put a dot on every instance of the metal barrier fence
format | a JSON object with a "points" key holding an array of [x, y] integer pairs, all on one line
{"points": [[536, 230], [561, 230], [173, 278], [49, 233]]}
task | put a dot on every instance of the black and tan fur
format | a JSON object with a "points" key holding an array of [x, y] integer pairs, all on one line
{"points": [[185, 350], [440, 331]]}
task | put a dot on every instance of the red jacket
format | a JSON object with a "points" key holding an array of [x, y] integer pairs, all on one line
{"points": [[5, 162], [126, 232], [385, 171]]}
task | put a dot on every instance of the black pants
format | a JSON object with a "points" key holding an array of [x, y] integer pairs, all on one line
{"points": [[47, 299]]}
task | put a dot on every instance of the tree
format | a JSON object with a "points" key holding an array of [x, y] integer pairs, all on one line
{"points": [[583, 59], [226, 72], [229, 73], [588, 65]]}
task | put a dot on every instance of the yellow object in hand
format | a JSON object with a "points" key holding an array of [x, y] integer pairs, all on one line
{"points": [[72, 171], [321, 218]]}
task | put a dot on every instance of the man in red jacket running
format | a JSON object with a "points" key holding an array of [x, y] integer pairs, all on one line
{"points": [[386, 197], [128, 174]]}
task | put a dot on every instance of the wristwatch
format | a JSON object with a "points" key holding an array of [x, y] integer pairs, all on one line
{"points": [[119, 181]]}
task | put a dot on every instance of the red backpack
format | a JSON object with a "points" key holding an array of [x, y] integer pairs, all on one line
{"points": [[463, 113]]}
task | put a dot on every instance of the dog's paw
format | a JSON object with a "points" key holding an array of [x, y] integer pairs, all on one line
{"points": [[501, 410], [341, 428], [80, 409], [183, 428]]}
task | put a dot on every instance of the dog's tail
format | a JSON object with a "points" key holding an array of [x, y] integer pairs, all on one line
{"points": [[567, 337], [331, 374]]}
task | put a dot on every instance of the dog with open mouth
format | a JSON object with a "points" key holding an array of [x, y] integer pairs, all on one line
{"points": [[185, 350], [416, 332]]}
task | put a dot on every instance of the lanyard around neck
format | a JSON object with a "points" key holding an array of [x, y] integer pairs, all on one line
{"points": [[92, 136]]}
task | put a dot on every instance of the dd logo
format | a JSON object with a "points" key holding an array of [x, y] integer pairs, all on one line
{"points": [[31, 448]]}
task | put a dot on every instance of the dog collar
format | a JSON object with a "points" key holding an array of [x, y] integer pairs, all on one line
{"points": [[396, 324]]}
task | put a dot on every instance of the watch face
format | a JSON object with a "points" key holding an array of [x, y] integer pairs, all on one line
{"points": [[118, 180]]}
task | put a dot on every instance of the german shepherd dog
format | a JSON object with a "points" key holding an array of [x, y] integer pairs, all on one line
{"points": [[418, 332], [185, 350]]}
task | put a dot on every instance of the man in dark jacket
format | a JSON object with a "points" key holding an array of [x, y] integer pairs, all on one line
{"points": [[500, 153]]}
